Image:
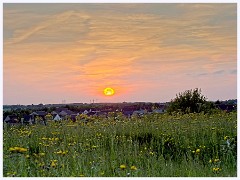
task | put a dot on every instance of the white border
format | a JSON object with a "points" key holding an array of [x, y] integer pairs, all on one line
{"points": [[113, 1]]}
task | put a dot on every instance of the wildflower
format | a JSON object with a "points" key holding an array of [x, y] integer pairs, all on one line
{"points": [[226, 138], [210, 161], [41, 164], [216, 160], [216, 170], [81, 175], [53, 163], [133, 168], [197, 151], [64, 152], [123, 166], [59, 152], [17, 149], [11, 174], [151, 153], [27, 156]]}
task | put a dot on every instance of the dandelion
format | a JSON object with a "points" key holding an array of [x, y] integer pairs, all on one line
{"points": [[123, 166], [216, 160], [17, 149], [216, 170], [53, 163], [226, 138], [134, 168], [41, 164], [59, 152], [197, 151], [11, 174], [41, 154]]}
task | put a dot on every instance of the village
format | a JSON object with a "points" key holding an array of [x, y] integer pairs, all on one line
{"points": [[30, 114]]}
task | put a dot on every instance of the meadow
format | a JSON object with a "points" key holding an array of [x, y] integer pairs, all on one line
{"points": [[154, 145]]}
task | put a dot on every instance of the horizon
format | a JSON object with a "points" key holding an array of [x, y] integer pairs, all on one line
{"points": [[145, 52], [72, 103]]}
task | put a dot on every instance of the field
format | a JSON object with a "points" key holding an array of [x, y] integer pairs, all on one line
{"points": [[155, 145]]}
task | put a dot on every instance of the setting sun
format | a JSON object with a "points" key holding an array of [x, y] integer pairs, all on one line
{"points": [[108, 91]]}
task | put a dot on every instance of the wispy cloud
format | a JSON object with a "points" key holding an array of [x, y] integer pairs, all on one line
{"points": [[88, 46]]}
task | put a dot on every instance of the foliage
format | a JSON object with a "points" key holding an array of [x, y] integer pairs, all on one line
{"points": [[190, 101], [153, 145]]}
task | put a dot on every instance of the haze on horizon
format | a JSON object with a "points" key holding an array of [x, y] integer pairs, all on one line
{"points": [[145, 52]]}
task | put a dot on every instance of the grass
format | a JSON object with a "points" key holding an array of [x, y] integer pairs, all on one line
{"points": [[155, 145]]}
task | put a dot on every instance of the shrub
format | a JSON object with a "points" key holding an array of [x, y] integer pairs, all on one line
{"points": [[190, 101]]}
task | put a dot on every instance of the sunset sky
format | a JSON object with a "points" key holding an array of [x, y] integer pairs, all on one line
{"points": [[145, 52]]}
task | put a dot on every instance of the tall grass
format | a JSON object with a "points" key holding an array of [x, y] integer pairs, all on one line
{"points": [[155, 145]]}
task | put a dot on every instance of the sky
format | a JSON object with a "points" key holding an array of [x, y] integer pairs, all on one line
{"points": [[145, 52]]}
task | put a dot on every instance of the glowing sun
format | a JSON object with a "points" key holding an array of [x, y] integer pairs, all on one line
{"points": [[108, 91]]}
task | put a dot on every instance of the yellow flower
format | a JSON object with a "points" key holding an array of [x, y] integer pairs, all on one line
{"points": [[41, 154], [210, 161], [226, 137], [216, 160], [133, 168], [216, 169], [53, 163], [17, 149], [198, 151], [11, 149], [59, 152], [123, 166], [64, 152], [41, 164]]}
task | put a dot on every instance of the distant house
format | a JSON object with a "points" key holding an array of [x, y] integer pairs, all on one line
{"points": [[226, 107], [56, 117], [139, 112], [54, 113], [39, 114], [128, 111], [73, 117], [11, 119], [27, 119], [158, 110], [85, 112], [91, 113], [64, 113]]}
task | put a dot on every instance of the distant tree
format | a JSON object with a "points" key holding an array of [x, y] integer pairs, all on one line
{"points": [[190, 101]]}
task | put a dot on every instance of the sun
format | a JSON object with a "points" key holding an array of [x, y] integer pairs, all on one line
{"points": [[108, 91]]}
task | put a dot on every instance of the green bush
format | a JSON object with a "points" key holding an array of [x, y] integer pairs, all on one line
{"points": [[190, 101]]}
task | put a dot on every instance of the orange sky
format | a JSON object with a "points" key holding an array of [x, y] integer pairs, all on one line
{"points": [[146, 52]]}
